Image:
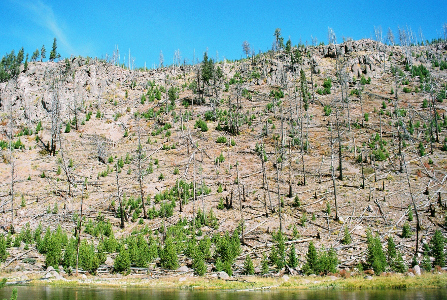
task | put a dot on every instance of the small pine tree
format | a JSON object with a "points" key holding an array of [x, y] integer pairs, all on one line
{"points": [[375, 257], [3, 253], [248, 266], [169, 259], [264, 264], [311, 259], [347, 237], [122, 261], [391, 250], [293, 260], [410, 214], [437, 245], [198, 263], [406, 231], [399, 264]]}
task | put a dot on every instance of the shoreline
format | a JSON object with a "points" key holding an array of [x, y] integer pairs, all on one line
{"points": [[248, 283]]}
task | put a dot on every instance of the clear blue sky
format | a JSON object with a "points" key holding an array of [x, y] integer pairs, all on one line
{"points": [[93, 28]]}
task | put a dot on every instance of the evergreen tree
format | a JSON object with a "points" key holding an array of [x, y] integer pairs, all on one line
{"points": [[69, 259], [35, 55], [347, 237], [3, 253], [248, 266], [375, 257], [198, 263], [168, 256], [278, 253], [43, 53], [88, 260], [264, 264], [391, 250], [293, 260], [122, 261], [437, 244], [311, 264], [53, 52], [399, 264]]}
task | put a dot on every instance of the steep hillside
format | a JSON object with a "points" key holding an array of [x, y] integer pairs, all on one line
{"points": [[321, 144]]}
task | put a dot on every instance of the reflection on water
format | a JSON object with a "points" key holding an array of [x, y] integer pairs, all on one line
{"points": [[75, 293]]}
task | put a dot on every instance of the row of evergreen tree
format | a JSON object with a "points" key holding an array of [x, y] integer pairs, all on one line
{"points": [[11, 63], [143, 247]]}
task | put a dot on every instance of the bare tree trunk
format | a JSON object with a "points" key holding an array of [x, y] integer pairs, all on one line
{"points": [[140, 171], [340, 155], [418, 227], [119, 197], [279, 195], [290, 170], [79, 228], [240, 204], [333, 177]]}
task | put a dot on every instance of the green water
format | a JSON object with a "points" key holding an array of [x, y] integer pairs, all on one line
{"points": [[75, 293]]}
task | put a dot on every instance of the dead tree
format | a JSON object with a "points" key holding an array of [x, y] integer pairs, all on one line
{"points": [[333, 175], [119, 197], [290, 170], [418, 227], [70, 180], [79, 227], [55, 117], [340, 155], [11, 162], [140, 171]]}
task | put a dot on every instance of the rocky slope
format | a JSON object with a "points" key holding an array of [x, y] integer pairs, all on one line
{"points": [[299, 134]]}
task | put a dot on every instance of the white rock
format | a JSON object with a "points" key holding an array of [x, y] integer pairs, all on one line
{"points": [[50, 268], [285, 277], [417, 270], [223, 275], [183, 269]]}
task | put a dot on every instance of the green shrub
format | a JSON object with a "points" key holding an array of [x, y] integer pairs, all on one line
{"points": [[88, 260], [391, 251], [248, 266], [221, 139], [202, 125], [437, 244], [264, 264], [292, 260], [327, 110], [122, 261], [3, 253], [366, 116], [67, 127], [198, 263], [399, 264], [406, 231], [278, 252], [347, 237], [375, 259], [410, 214], [168, 255]]}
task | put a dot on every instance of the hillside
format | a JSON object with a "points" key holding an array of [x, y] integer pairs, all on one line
{"points": [[255, 144]]}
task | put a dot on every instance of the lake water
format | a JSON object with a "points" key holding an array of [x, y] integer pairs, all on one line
{"points": [[85, 293]]}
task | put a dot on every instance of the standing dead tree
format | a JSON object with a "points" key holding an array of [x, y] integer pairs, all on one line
{"points": [[333, 175], [140, 169], [79, 225], [55, 116], [11, 157], [118, 195], [418, 227]]}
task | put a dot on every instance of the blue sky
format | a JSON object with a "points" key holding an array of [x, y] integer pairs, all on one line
{"points": [[94, 28]]}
